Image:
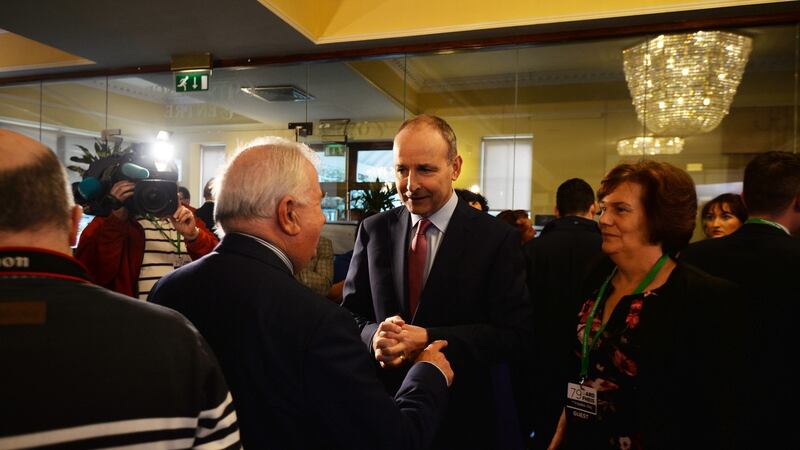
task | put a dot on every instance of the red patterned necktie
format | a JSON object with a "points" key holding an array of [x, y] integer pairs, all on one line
{"points": [[416, 265]]}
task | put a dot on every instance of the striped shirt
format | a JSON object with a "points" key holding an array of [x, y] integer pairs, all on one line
{"points": [[211, 429], [160, 253]]}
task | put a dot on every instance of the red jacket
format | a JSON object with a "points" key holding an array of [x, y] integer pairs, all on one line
{"points": [[113, 250]]}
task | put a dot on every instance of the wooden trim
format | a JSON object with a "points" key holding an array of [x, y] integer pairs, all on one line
{"points": [[783, 17], [370, 145], [99, 73]]}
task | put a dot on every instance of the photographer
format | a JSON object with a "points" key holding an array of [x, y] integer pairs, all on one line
{"points": [[129, 253]]}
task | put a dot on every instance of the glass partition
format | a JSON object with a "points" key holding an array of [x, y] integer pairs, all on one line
{"points": [[527, 117]]}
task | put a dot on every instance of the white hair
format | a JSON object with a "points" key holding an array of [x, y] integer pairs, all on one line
{"points": [[259, 176]]}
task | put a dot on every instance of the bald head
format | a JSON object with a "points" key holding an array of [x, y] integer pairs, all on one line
{"points": [[37, 200], [17, 150]]}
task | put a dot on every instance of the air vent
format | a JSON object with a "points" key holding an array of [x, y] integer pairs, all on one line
{"points": [[274, 94]]}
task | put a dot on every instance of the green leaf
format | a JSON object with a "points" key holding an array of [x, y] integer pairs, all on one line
{"points": [[86, 159], [79, 170], [101, 150], [378, 198]]}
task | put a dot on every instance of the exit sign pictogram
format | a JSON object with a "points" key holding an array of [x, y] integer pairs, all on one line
{"points": [[193, 81]]}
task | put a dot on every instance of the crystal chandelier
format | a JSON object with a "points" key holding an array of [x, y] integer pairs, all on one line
{"points": [[650, 145], [684, 84]]}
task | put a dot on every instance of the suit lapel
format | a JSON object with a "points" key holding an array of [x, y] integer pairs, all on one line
{"points": [[398, 236]]}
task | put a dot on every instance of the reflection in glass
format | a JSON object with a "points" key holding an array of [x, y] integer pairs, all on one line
{"points": [[331, 168], [650, 145], [375, 166], [573, 96]]}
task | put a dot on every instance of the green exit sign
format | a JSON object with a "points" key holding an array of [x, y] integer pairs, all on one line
{"points": [[193, 81]]}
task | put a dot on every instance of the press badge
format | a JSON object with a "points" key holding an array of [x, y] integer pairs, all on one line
{"points": [[181, 260], [581, 401]]}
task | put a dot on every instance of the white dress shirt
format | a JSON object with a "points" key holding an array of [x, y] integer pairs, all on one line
{"points": [[435, 233]]}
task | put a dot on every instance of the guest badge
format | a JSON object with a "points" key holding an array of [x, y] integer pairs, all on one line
{"points": [[581, 401]]}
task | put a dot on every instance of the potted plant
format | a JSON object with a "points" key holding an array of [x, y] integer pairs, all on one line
{"points": [[102, 149], [379, 198]]}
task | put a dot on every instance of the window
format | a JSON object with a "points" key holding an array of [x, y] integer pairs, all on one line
{"points": [[506, 178], [332, 163], [375, 166], [212, 160]]}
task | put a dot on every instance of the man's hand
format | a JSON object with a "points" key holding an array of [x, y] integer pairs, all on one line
{"points": [[396, 342], [415, 339], [121, 191], [183, 221], [433, 354], [386, 348]]}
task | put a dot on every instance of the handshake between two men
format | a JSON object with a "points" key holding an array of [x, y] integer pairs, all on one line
{"points": [[396, 342]]}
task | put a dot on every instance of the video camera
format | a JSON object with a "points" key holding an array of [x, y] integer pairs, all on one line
{"points": [[155, 193]]}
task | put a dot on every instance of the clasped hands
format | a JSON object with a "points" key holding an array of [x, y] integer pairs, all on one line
{"points": [[396, 342]]}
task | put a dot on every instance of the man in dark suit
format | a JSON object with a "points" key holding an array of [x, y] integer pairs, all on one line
{"points": [[435, 268], [763, 258], [558, 261], [299, 375]]}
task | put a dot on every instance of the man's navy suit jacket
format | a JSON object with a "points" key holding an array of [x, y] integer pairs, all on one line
{"points": [[765, 262], [475, 298], [299, 375]]}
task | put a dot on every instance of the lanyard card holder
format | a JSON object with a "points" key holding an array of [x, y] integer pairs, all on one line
{"points": [[581, 402]]}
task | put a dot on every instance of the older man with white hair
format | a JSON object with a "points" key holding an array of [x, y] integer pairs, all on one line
{"points": [[299, 374]]}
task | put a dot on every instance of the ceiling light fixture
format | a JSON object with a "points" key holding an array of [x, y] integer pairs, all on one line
{"points": [[650, 145], [684, 84]]}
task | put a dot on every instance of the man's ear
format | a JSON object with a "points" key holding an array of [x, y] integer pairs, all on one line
{"points": [[457, 167], [555, 212], [593, 210], [75, 221], [288, 219]]}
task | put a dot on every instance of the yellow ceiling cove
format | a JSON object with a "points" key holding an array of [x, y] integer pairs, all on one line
{"points": [[309, 17], [330, 21], [19, 53]]}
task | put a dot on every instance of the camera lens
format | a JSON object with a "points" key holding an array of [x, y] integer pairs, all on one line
{"points": [[156, 197], [152, 199]]}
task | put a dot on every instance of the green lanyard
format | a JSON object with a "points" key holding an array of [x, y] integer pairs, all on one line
{"points": [[766, 222], [176, 243], [587, 346]]}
